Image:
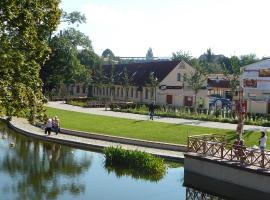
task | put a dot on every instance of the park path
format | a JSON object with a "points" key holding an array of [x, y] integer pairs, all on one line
{"points": [[21, 125], [102, 111]]}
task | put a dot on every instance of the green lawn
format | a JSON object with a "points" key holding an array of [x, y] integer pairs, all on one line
{"points": [[146, 130]]}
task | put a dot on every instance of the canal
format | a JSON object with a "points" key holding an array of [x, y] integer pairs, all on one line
{"points": [[33, 169]]}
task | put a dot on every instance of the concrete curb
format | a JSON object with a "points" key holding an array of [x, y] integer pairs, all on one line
{"points": [[86, 146], [123, 140]]}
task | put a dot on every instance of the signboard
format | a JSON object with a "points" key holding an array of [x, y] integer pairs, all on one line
{"points": [[250, 83], [264, 72], [166, 87]]}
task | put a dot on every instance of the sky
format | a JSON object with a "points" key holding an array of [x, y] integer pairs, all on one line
{"points": [[130, 27]]}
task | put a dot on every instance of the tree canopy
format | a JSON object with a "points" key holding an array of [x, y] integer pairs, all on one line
{"points": [[25, 27], [149, 55]]}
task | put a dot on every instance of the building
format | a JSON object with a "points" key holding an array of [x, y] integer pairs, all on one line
{"points": [[255, 81], [134, 85]]}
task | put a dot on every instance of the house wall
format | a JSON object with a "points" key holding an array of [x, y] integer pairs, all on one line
{"points": [[178, 95], [257, 106]]}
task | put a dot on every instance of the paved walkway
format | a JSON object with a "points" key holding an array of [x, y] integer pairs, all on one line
{"points": [[102, 111], [22, 125]]}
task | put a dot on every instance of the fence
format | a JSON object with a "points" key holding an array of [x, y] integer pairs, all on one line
{"points": [[217, 147]]}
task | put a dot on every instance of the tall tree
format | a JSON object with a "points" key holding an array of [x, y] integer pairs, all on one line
{"points": [[107, 53], [25, 27], [196, 80], [149, 55]]}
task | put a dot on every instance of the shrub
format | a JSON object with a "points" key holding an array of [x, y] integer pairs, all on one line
{"points": [[144, 163]]}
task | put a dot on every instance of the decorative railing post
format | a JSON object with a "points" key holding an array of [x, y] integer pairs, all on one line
{"points": [[222, 150], [263, 158], [188, 145], [204, 146]]}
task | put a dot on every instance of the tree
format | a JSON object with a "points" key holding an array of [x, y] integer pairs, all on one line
{"points": [[149, 55], [196, 81], [153, 80], [248, 59], [126, 83], [25, 28], [233, 74], [234, 84], [182, 55], [67, 64], [73, 17], [110, 82], [209, 55]]}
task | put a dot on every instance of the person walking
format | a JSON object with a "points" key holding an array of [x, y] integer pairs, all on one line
{"points": [[262, 141], [151, 110], [48, 128]]}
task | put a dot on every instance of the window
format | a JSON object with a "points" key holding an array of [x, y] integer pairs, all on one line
{"points": [[137, 93], [84, 89], [78, 89], [178, 77], [264, 72], [146, 93], [131, 92], [152, 92], [117, 93], [122, 93]]}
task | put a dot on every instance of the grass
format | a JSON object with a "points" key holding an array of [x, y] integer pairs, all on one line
{"points": [[140, 129], [138, 164]]}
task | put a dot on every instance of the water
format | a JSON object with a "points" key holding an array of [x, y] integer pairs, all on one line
{"points": [[32, 169]]}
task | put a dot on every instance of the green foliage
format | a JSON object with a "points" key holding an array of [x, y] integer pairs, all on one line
{"points": [[73, 17], [107, 53], [67, 64], [182, 55], [149, 55], [196, 80], [25, 28], [135, 161]]}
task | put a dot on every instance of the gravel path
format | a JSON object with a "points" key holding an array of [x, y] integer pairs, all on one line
{"points": [[102, 111]]}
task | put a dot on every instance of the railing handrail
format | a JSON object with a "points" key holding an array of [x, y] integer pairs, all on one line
{"points": [[231, 152]]}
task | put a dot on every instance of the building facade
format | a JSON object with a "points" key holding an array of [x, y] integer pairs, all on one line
{"points": [[255, 81], [170, 88]]}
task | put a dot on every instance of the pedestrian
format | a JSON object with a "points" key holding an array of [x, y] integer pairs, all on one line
{"points": [[151, 110], [48, 128], [262, 141], [56, 125], [239, 147]]}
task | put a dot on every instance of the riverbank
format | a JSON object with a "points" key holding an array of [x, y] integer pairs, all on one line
{"points": [[22, 126]]}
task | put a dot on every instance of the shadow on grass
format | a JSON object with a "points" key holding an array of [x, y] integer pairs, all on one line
{"points": [[137, 121]]}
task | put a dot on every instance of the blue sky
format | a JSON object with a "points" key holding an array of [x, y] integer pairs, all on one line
{"points": [[130, 27]]}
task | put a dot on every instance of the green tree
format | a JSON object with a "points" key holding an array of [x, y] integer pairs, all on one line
{"points": [[25, 27], [153, 80], [196, 80], [182, 55], [247, 59], [67, 64], [149, 55], [126, 83]]}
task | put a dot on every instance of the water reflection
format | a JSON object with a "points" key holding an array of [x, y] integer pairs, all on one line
{"points": [[38, 169], [122, 171], [193, 194]]}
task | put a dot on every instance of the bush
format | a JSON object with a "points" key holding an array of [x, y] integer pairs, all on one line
{"points": [[139, 161]]}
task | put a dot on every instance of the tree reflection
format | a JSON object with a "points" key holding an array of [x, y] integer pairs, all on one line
{"points": [[42, 170], [123, 171]]}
